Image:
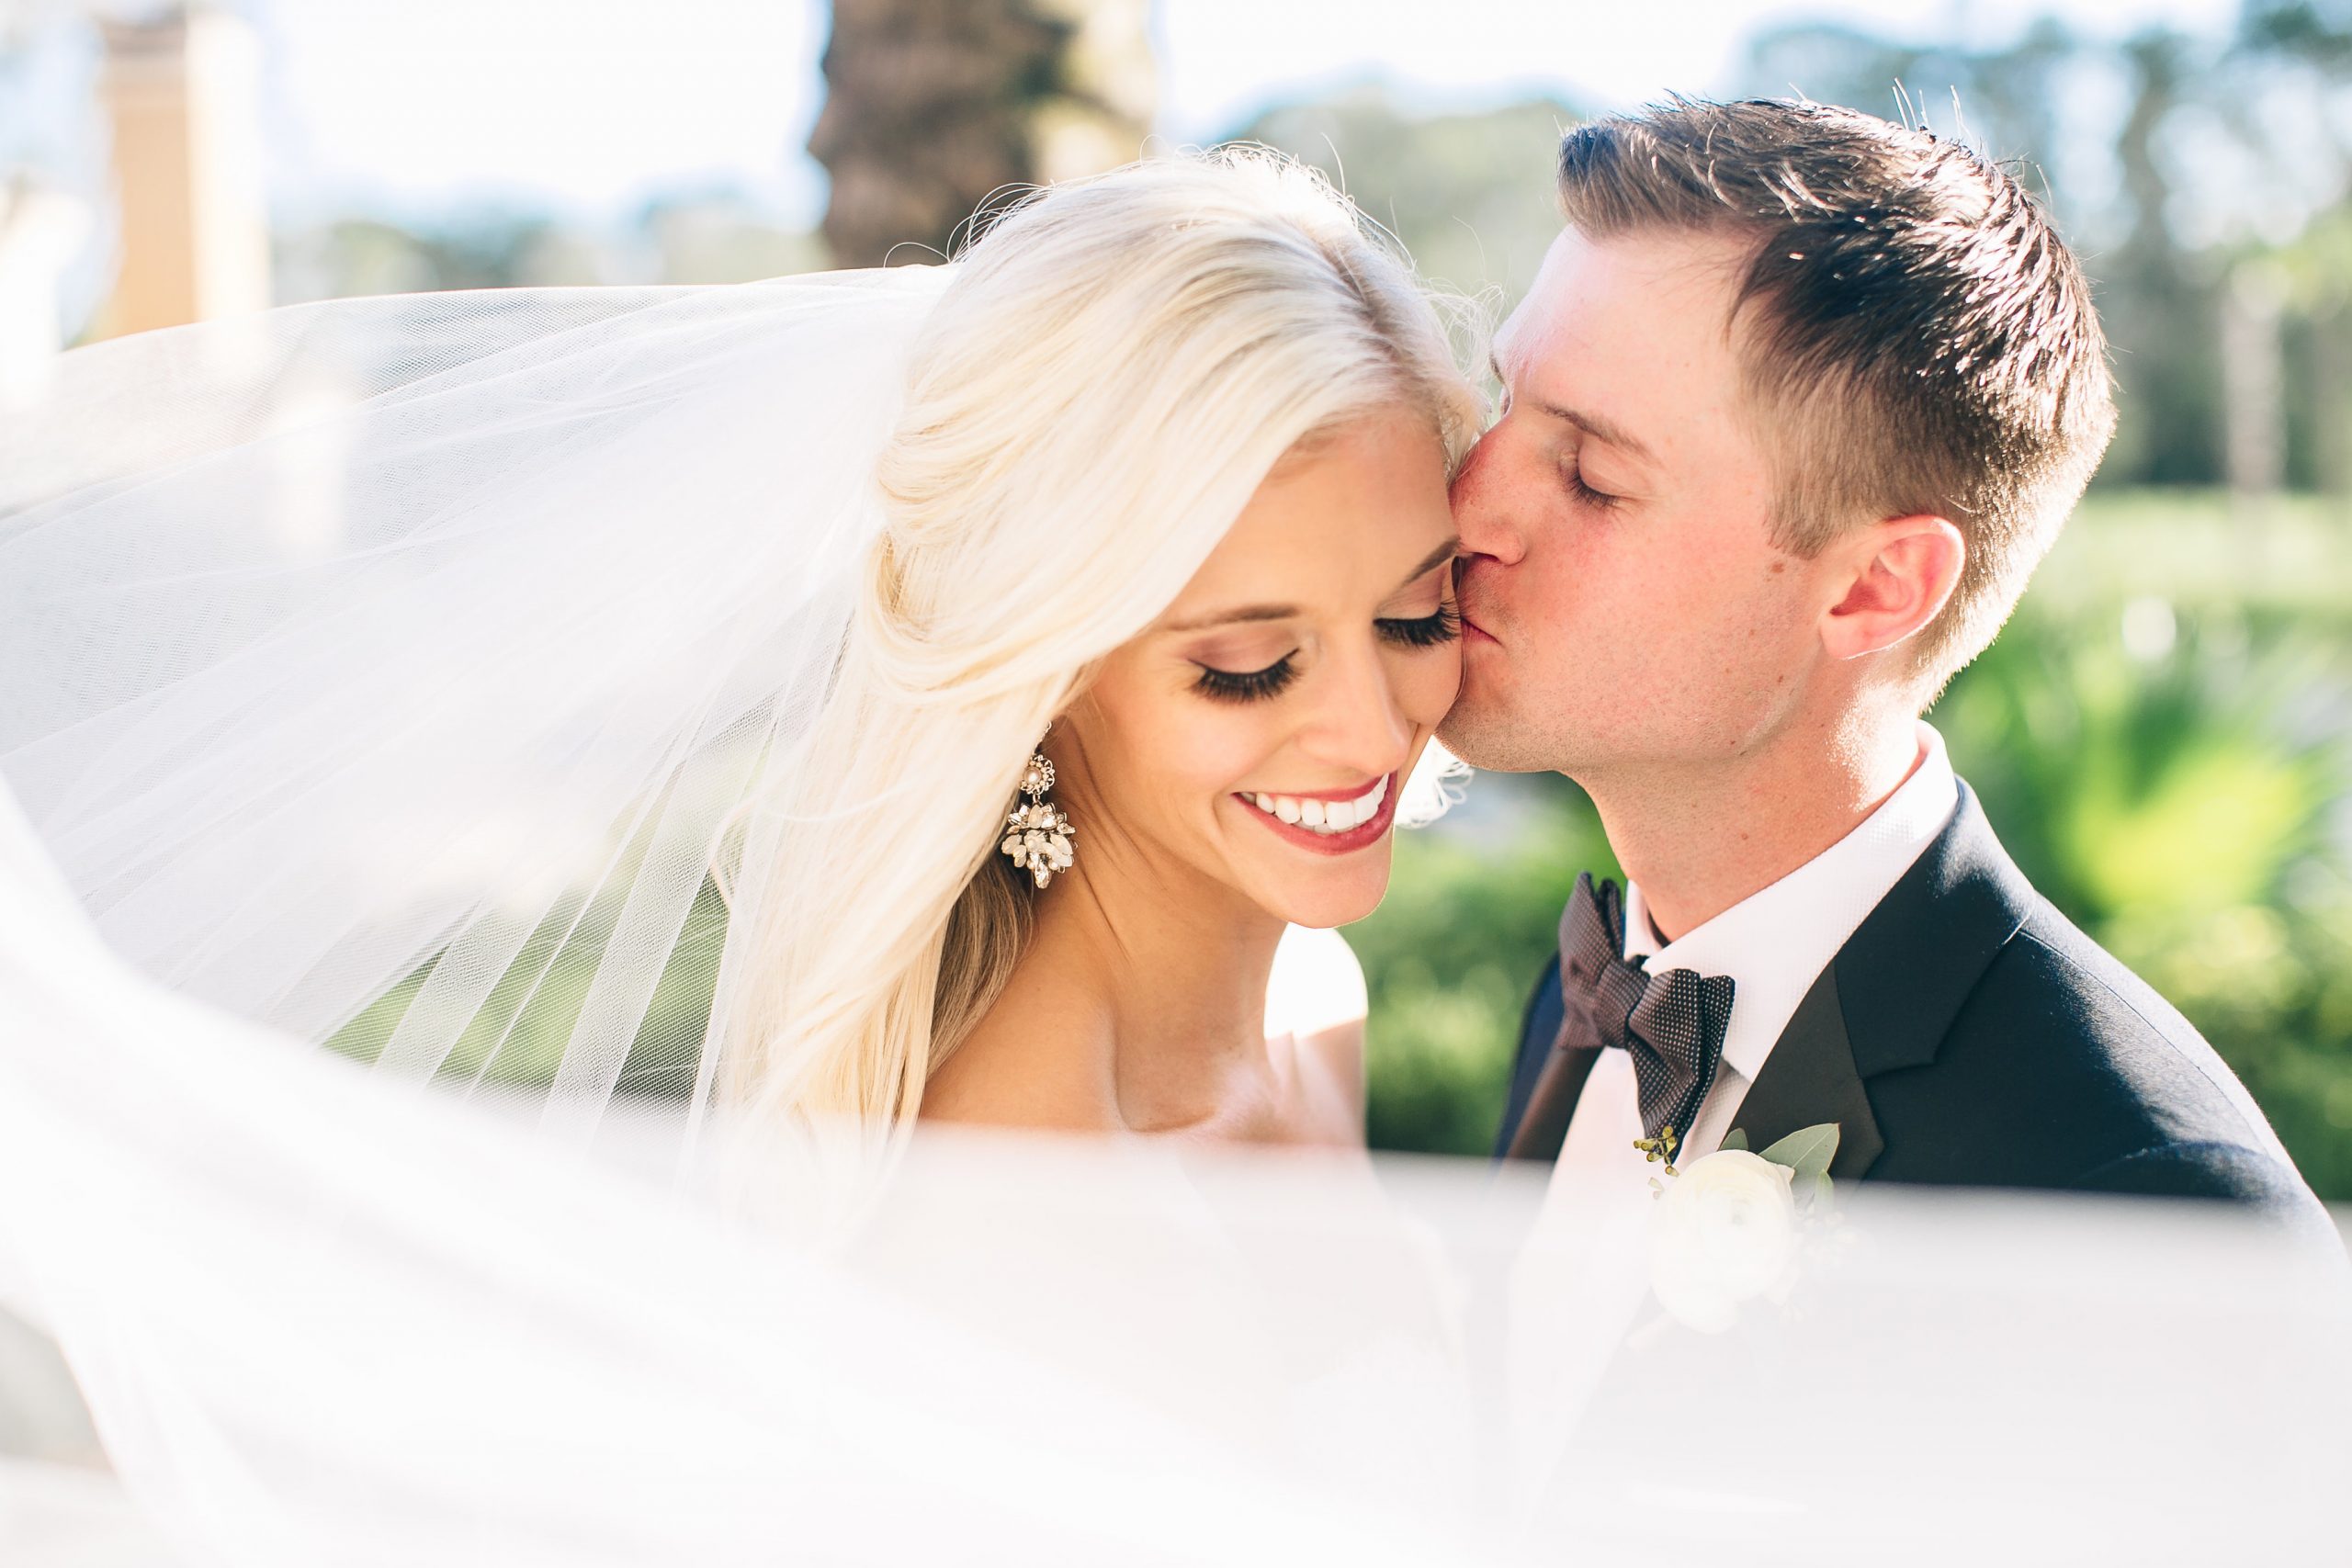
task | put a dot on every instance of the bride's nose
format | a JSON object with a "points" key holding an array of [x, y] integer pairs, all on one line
{"points": [[1360, 725]]}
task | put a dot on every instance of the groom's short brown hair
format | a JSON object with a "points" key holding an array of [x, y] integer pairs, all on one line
{"points": [[1917, 339]]}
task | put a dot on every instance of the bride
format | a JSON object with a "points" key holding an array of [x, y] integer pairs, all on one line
{"points": [[1002, 655], [1167, 505]]}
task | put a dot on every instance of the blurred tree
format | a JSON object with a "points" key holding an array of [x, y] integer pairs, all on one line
{"points": [[2024, 103], [931, 107], [2301, 51], [721, 235], [493, 249], [2163, 310], [1468, 195]]}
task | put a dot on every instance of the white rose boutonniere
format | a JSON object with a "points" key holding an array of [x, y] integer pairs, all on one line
{"points": [[1727, 1227]]}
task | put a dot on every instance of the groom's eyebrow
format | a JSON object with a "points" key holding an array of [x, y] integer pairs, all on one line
{"points": [[1592, 425], [1431, 562], [1600, 429]]}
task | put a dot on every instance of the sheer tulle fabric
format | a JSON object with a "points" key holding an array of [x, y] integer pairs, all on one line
{"points": [[387, 670], [407, 674], [319, 1322], [385, 673]]}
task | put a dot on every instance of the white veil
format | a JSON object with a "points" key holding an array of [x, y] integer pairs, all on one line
{"points": [[386, 670], [280, 759], [322, 1324]]}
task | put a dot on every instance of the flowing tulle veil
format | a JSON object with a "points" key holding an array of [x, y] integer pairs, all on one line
{"points": [[388, 672], [410, 677], [398, 675], [607, 701]]}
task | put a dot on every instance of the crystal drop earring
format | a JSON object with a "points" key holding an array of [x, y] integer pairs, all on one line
{"points": [[1037, 833]]}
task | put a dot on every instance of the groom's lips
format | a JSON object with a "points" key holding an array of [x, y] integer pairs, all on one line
{"points": [[1473, 632]]}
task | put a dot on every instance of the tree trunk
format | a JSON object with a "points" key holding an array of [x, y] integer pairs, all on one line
{"points": [[2253, 391], [934, 105]]}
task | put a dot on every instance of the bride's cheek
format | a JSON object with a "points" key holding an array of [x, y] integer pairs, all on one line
{"points": [[1430, 687]]}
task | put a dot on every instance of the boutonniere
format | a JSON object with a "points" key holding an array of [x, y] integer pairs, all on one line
{"points": [[1729, 1226]]}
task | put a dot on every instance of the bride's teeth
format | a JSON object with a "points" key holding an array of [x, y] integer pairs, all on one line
{"points": [[1326, 816]]}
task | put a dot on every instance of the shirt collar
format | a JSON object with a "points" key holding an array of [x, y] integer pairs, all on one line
{"points": [[1774, 943]]}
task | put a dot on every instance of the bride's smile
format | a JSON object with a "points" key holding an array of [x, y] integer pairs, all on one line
{"points": [[1333, 822]]}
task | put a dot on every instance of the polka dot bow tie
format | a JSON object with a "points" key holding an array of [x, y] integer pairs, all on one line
{"points": [[1671, 1024]]}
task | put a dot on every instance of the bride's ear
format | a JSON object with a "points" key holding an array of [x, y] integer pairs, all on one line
{"points": [[1904, 572]]}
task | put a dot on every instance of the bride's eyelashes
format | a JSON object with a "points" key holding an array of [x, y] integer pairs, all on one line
{"points": [[1442, 626], [1424, 631], [1246, 685]]}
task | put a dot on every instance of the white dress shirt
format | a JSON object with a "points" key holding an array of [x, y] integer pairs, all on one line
{"points": [[1774, 945]]}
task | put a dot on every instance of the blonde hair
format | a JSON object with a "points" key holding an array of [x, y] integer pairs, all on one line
{"points": [[1093, 399]]}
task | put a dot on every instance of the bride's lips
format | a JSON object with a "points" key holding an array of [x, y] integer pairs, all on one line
{"points": [[1360, 836]]}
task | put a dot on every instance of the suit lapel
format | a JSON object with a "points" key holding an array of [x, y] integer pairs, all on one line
{"points": [[1889, 996], [1909, 967], [1545, 1126], [1810, 1079]]}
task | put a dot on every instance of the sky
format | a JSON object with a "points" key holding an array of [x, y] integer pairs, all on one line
{"points": [[590, 106]]}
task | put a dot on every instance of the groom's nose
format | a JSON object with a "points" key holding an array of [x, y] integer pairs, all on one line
{"points": [[1480, 514]]}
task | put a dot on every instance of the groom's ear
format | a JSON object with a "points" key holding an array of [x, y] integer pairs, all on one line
{"points": [[1902, 573]]}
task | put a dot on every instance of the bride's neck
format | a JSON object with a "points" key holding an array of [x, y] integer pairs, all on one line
{"points": [[1143, 990]]}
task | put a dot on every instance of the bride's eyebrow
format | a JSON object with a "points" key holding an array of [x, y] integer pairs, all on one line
{"points": [[1431, 562], [1227, 617], [1428, 563]]}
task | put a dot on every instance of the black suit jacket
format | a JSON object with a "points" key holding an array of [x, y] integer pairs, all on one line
{"points": [[1967, 1034]]}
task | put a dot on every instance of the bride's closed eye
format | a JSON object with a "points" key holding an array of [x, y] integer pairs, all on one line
{"points": [[1246, 685], [1442, 626], [1424, 631]]}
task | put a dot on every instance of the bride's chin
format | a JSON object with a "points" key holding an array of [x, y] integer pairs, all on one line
{"points": [[1323, 906]]}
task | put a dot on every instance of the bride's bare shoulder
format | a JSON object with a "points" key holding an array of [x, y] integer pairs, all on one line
{"points": [[1318, 999]]}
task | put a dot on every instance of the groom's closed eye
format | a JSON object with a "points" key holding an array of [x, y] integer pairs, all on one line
{"points": [[1587, 429], [1582, 488]]}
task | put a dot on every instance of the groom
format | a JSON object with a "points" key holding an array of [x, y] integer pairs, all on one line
{"points": [[1797, 401]]}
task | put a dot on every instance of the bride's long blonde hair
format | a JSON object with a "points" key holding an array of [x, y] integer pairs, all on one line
{"points": [[1092, 400]]}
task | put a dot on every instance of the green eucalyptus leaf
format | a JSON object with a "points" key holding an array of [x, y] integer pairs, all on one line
{"points": [[1807, 1151], [1736, 1139]]}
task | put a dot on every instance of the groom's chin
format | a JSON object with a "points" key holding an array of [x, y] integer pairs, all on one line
{"points": [[1487, 742]]}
